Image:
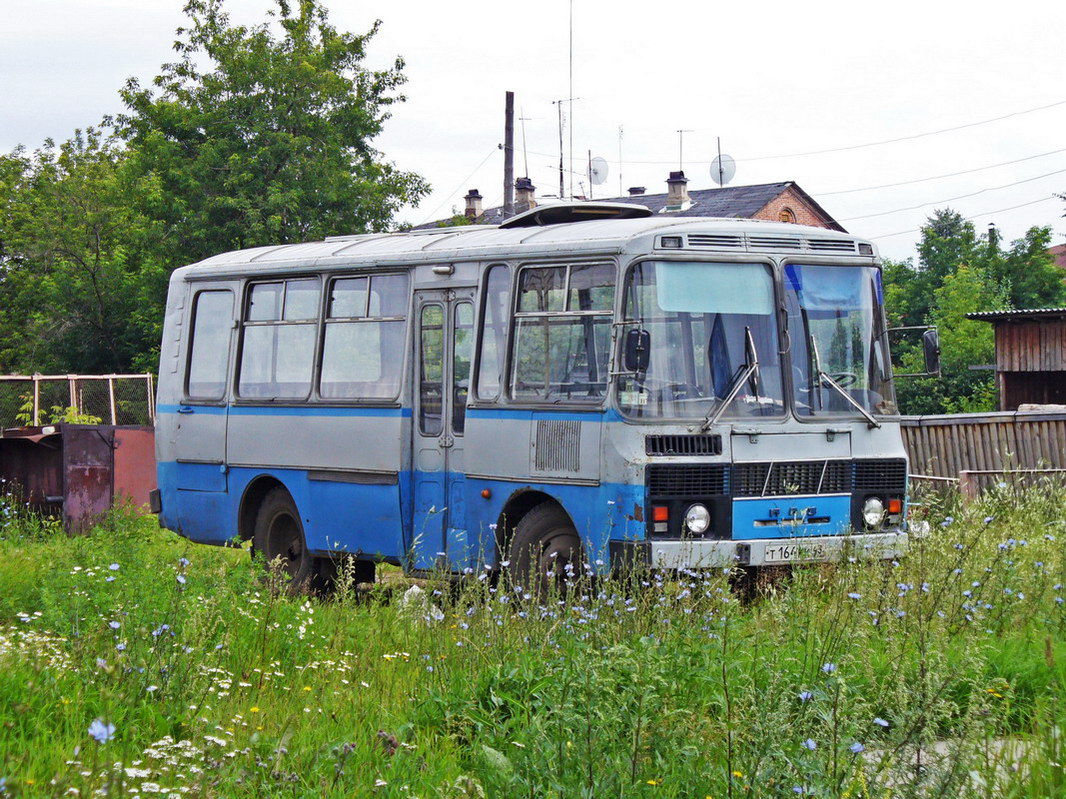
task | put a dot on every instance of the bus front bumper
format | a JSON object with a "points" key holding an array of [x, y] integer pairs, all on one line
{"points": [[701, 554]]}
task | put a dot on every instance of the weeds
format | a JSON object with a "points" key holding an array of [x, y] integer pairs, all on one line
{"points": [[134, 663]]}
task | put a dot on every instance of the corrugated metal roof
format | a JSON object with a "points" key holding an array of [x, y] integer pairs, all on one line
{"points": [[1021, 313]]}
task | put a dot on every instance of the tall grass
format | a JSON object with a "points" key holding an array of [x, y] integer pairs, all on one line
{"points": [[939, 675]]}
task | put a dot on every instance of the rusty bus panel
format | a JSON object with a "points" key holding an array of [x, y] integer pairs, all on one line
{"points": [[78, 472]]}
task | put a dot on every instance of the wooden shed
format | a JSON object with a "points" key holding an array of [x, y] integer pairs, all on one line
{"points": [[1030, 355]]}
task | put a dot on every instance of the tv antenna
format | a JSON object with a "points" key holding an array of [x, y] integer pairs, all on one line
{"points": [[681, 149], [525, 155], [723, 167], [562, 169]]}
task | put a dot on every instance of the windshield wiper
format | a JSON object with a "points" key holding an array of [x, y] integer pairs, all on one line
{"points": [[743, 374], [825, 378]]}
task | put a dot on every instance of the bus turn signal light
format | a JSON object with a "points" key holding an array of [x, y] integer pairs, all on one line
{"points": [[895, 506], [660, 513]]}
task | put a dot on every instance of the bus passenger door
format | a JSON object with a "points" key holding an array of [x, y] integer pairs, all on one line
{"points": [[444, 349]]}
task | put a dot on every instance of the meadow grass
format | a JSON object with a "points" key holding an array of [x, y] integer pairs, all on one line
{"points": [[134, 663]]}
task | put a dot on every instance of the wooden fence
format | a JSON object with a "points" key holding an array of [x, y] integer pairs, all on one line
{"points": [[954, 445]]}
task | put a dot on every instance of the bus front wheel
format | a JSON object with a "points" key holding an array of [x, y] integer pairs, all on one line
{"points": [[546, 550], [279, 537]]}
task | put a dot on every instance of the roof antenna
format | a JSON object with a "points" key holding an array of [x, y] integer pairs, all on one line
{"points": [[681, 149]]}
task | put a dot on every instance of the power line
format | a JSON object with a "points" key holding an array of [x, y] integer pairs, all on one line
{"points": [[939, 177], [952, 199], [913, 136], [971, 218], [910, 137], [448, 197]]}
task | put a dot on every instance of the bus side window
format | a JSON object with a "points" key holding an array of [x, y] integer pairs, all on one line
{"points": [[431, 371], [208, 366], [563, 332], [493, 337], [462, 353], [280, 329], [363, 348]]}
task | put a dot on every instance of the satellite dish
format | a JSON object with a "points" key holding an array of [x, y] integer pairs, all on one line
{"points": [[723, 169], [598, 171]]}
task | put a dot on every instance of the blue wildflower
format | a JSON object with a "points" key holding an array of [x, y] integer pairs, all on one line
{"points": [[856, 748], [829, 668], [101, 731], [810, 744], [880, 722], [805, 696]]}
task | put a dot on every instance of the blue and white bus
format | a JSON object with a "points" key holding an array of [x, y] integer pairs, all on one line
{"points": [[585, 382]]}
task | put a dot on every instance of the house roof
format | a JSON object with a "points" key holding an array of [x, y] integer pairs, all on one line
{"points": [[728, 202], [1018, 315]]}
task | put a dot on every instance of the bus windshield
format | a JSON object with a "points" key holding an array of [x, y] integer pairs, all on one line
{"points": [[838, 349], [706, 324]]}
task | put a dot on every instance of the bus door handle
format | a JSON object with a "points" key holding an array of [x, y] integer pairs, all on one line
{"points": [[185, 409], [446, 441]]}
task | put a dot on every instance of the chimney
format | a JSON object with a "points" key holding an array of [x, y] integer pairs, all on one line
{"points": [[677, 192], [636, 191], [473, 204], [525, 192]]}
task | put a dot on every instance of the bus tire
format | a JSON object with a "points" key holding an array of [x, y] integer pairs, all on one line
{"points": [[544, 544], [279, 537]]}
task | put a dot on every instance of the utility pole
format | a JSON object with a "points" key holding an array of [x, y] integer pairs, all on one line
{"points": [[508, 156]]}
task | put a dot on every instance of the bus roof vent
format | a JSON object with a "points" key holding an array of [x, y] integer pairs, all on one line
{"points": [[715, 242], [775, 242], [562, 213], [831, 245]]}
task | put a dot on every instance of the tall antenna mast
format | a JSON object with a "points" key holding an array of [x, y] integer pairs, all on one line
{"points": [[562, 155], [620, 190], [681, 149], [525, 155], [571, 95]]}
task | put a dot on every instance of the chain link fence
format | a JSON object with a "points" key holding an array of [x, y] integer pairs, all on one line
{"points": [[87, 399]]}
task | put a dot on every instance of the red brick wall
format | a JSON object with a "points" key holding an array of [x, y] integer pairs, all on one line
{"points": [[804, 213]]}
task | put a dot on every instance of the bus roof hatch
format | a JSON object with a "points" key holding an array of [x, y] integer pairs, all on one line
{"points": [[562, 213]]}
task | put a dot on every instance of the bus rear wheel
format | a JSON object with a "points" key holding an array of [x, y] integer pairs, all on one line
{"points": [[279, 537], [545, 551]]}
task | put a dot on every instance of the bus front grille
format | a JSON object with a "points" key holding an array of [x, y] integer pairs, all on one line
{"points": [[881, 475], [688, 480], [787, 478]]}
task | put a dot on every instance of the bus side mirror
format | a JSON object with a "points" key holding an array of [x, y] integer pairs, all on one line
{"points": [[637, 353], [931, 346]]}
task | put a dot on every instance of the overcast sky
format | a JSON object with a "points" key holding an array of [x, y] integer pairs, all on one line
{"points": [[771, 79]]}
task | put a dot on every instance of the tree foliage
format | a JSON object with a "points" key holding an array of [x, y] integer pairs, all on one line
{"points": [[960, 272], [254, 135], [258, 138]]}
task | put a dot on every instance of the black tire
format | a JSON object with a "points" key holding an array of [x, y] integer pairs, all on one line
{"points": [[544, 544], [279, 537]]}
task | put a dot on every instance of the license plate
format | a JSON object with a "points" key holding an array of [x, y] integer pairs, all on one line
{"points": [[794, 553]]}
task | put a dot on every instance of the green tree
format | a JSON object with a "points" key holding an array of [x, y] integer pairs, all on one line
{"points": [[963, 343], [1026, 272], [76, 258], [262, 138]]}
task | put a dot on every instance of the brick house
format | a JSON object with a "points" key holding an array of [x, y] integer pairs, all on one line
{"points": [[774, 202]]}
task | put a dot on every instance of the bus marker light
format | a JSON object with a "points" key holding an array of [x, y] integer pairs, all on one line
{"points": [[660, 513], [486, 493], [895, 506]]}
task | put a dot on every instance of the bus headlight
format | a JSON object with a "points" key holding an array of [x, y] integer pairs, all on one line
{"points": [[697, 519], [873, 512]]}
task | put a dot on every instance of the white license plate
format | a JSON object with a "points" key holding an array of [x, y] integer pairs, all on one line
{"points": [[795, 553]]}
